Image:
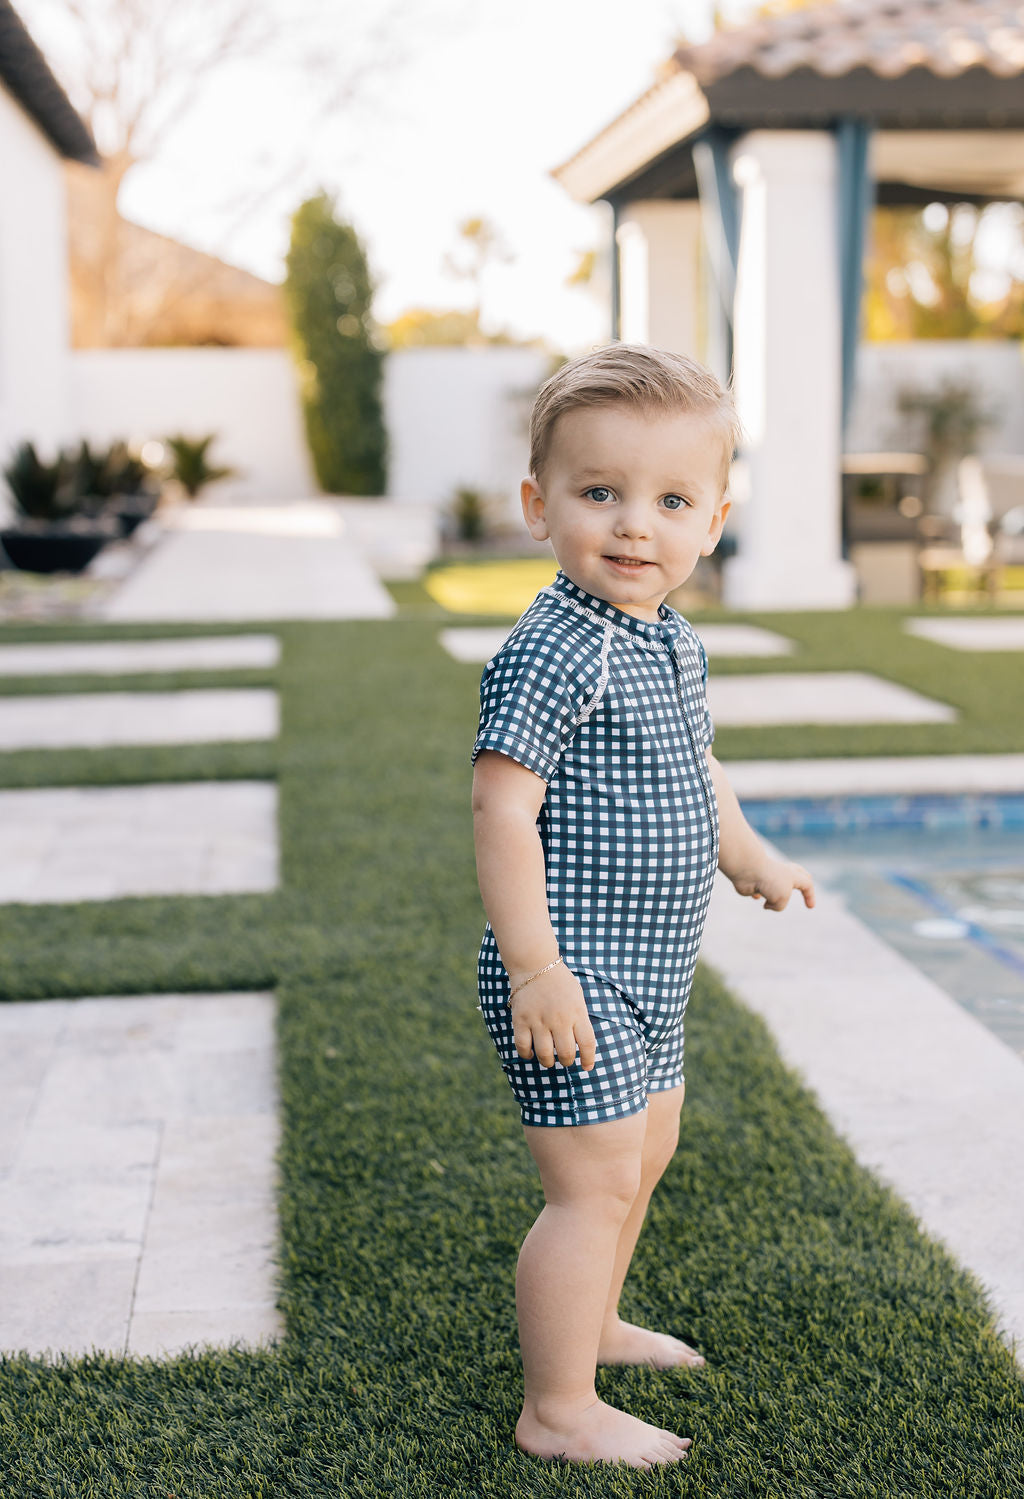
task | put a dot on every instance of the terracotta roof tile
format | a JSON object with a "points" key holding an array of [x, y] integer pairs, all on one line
{"points": [[889, 37]]}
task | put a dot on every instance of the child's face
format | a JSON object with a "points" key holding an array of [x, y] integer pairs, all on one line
{"points": [[630, 501]]}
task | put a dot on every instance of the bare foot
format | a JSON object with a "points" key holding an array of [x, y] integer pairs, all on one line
{"points": [[599, 1433], [624, 1343]]}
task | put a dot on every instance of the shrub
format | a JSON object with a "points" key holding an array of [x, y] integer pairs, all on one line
{"points": [[41, 491], [189, 465], [328, 293]]}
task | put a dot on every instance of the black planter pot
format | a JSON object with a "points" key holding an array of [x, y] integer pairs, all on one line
{"points": [[130, 510], [55, 549]]}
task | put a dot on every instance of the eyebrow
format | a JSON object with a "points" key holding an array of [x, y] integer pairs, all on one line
{"points": [[610, 475]]}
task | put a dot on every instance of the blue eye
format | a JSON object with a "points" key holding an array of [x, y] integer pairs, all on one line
{"points": [[674, 502], [599, 493]]}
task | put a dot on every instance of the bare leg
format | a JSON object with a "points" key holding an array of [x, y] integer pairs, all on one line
{"points": [[590, 1174], [623, 1342]]}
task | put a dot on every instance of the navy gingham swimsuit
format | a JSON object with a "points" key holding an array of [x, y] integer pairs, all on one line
{"points": [[611, 711]]}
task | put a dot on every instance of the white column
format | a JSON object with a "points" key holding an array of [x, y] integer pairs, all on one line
{"points": [[659, 278], [788, 376]]}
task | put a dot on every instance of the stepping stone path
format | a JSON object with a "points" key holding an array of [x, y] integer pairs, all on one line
{"points": [[124, 657], [138, 1211], [137, 1178], [104, 842], [470, 643], [985, 634], [819, 697], [96, 719]]}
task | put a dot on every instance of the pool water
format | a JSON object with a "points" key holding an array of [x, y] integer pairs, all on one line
{"points": [[939, 878]]}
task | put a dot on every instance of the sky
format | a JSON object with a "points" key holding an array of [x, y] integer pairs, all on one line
{"points": [[475, 105]]}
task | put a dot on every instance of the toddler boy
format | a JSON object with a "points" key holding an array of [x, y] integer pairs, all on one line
{"points": [[600, 816]]}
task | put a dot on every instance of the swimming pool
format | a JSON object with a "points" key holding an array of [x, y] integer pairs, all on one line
{"points": [[941, 878]]}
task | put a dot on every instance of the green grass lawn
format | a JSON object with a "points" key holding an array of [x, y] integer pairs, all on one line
{"points": [[848, 1356]]}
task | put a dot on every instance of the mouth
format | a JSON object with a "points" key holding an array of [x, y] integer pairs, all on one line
{"points": [[628, 564]]}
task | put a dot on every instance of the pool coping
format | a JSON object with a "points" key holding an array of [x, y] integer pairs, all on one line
{"points": [[925, 1095], [871, 775]]}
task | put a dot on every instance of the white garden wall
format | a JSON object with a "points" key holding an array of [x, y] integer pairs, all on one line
{"points": [[248, 397], [995, 368], [454, 416], [460, 417]]}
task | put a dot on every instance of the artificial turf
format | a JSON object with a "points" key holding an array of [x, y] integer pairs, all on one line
{"points": [[848, 1356]]}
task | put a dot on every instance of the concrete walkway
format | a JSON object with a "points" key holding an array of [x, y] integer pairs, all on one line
{"points": [[138, 1209], [256, 562]]}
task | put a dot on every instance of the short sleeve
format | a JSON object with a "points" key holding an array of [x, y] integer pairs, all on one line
{"points": [[526, 709], [709, 723]]}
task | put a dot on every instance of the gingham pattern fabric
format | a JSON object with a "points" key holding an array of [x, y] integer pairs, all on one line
{"points": [[611, 711]]}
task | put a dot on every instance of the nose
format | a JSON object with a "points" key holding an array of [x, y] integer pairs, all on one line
{"points": [[631, 520]]}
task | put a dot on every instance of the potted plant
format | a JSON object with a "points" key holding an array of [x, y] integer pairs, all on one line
{"points": [[189, 464], [948, 418], [54, 532], [115, 483]]}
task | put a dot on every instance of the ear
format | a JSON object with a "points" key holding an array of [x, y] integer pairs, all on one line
{"points": [[533, 509], [715, 529]]}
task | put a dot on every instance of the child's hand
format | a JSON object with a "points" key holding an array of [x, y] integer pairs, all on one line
{"points": [[549, 1019], [775, 880]]}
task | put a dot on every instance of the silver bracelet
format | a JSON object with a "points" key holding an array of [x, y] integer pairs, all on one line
{"points": [[522, 985]]}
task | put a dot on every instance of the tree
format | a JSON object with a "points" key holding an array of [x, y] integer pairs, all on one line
{"points": [[328, 292], [926, 276], [135, 68], [419, 327], [480, 247]]}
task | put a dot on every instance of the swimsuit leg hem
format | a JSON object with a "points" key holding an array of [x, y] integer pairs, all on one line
{"points": [[595, 1114]]}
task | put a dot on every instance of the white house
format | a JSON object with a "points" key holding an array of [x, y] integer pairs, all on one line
{"points": [[740, 185], [38, 131]]}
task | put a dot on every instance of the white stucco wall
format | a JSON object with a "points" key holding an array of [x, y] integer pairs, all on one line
{"points": [[994, 367], [459, 417], [454, 416], [248, 397], [34, 315]]}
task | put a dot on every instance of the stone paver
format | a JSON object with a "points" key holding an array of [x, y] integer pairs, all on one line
{"points": [[1005, 633], [743, 640], [819, 697], [100, 719], [924, 1094], [474, 643], [892, 775], [252, 563], [137, 1177], [104, 842], [125, 657], [479, 643]]}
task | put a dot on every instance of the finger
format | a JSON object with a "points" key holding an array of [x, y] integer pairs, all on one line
{"points": [[523, 1037], [565, 1046], [544, 1047], [587, 1044]]}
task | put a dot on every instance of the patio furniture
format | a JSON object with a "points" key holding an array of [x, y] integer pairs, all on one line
{"points": [[881, 510]]}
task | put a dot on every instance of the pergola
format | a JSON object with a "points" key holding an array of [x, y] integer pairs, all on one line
{"points": [[740, 185]]}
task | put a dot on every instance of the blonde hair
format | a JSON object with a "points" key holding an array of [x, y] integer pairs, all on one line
{"points": [[639, 376]]}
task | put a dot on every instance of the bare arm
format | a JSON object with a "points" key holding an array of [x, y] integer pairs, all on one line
{"points": [[743, 858], [550, 1015]]}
